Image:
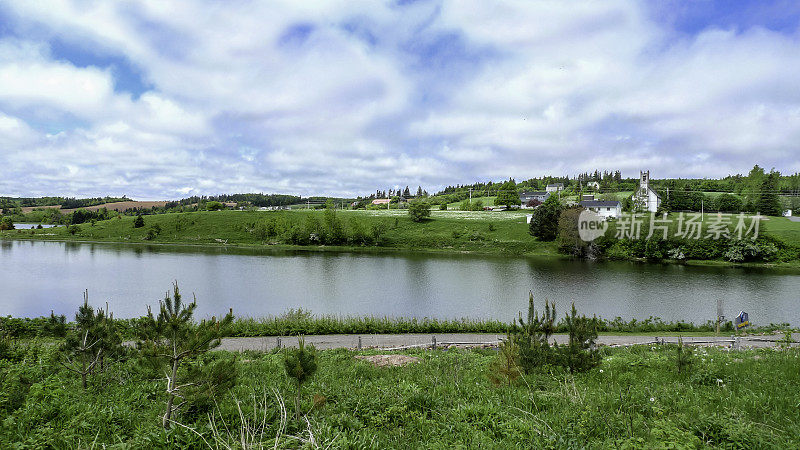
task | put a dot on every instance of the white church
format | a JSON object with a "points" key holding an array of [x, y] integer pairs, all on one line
{"points": [[645, 197]]}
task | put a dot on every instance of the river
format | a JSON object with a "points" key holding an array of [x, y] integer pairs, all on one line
{"points": [[37, 277]]}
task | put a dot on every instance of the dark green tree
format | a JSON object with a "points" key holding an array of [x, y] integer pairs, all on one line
{"points": [[544, 223], [300, 364], [171, 339], [769, 202], [138, 222], [729, 203], [508, 195], [419, 210]]}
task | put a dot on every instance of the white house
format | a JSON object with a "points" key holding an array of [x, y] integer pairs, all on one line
{"points": [[593, 185], [555, 187], [525, 197], [604, 208], [645, 197]]}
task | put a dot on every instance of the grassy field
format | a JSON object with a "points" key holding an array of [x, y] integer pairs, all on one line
{"points": [[479, 232], [783, 229], [635, 399], [487, 201]]}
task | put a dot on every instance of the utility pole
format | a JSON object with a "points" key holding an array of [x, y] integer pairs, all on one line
{"points": [[702, 210], [470, 196]]}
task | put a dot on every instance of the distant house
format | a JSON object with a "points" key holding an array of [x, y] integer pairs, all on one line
{"points": [[540, 196], [381, 201], [604, 208], [645, 197], [587, 198], [555, 187], [593, 185]]}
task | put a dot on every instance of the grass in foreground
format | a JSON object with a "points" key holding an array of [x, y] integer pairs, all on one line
{"points": [[636, 399]]}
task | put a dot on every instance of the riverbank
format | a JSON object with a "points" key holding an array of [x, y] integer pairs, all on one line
{"points": [[449, 232], [636, 398]]}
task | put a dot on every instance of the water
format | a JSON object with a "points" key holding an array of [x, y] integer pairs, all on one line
{"points": [[40, 276], [28, 226]]}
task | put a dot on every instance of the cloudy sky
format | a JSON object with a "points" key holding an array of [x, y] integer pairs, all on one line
{"points": [[164, 99]]}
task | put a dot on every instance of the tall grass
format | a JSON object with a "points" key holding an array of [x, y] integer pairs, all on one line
{"points": [[301, 321]]}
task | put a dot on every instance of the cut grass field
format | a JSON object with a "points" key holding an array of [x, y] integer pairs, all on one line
{"points": [[635, 399]]}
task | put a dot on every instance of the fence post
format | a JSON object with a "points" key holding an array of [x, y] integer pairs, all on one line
{"points": [[278, 343], [433, 340], [359, 342]]}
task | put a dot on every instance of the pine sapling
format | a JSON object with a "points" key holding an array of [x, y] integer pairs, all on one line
{"points": [[300, 364], [171, 338]]}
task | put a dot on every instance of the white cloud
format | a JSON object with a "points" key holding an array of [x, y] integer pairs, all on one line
{"points": [[344, 97]]}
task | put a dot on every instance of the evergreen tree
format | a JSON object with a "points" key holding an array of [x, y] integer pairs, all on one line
{"points": [[508, 195], [138, 222], [532, 336], [419, 191], [300, 365], [94, 337], [769, 203], [172, 338], [406, 193], [580, 354]]}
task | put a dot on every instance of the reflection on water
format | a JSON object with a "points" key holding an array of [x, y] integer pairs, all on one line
{"points": [[40, 276]]}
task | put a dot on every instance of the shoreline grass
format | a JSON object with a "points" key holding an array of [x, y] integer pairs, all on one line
{"points": [[303, 322]]}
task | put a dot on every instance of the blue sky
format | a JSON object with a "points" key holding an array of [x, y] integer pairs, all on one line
{"points": [[160, 100]]}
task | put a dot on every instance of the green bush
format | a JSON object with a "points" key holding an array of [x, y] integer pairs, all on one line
{"points": [[419, 210]]}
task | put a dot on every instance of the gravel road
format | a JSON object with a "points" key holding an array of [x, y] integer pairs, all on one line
{"points": [[393, 341]]}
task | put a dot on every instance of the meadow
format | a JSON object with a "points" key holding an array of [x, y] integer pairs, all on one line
{"points": [[635, 399], [477, 232], [451, 231]]}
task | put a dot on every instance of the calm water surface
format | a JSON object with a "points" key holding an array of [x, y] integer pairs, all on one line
{"points": [[37, 277]]}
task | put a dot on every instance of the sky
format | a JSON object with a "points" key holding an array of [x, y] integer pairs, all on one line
{"points": [[163, 100]]}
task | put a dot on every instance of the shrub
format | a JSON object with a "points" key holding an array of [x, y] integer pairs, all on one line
{"points": [[73, 229], [505, 368], [419, 210], [6, 223]]}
